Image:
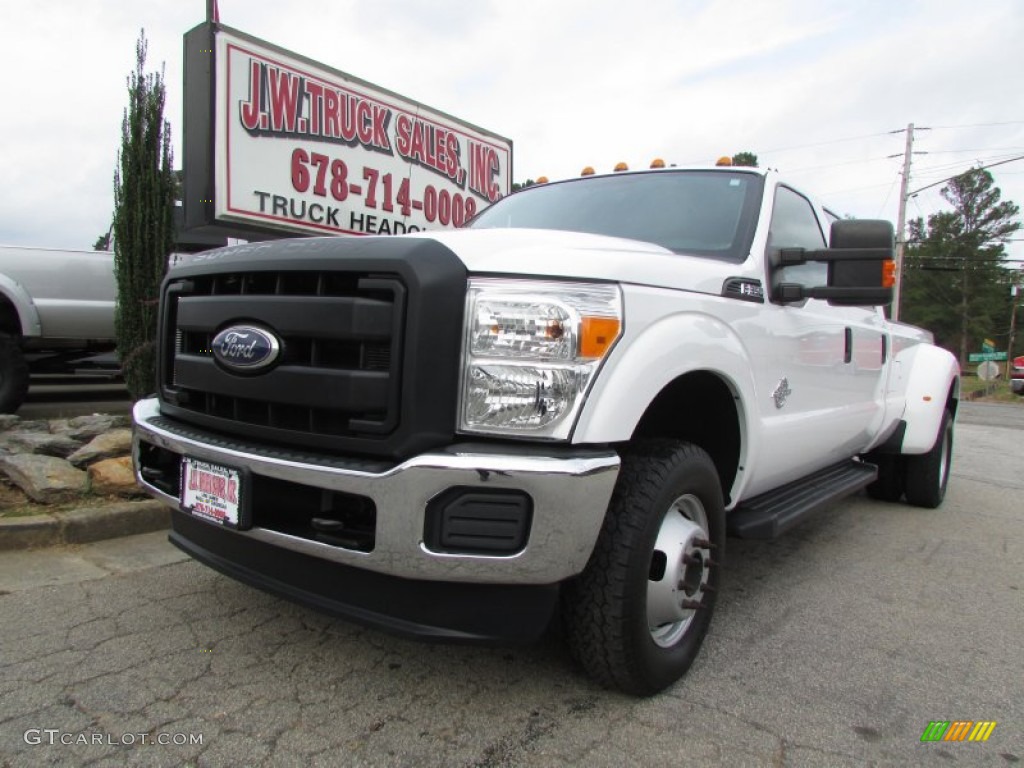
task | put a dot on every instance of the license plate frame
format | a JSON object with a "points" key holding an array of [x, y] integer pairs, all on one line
{"points": [[214, 492]]}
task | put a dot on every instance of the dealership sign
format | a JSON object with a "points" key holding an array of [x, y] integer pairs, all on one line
{"points": [[278, 143]]}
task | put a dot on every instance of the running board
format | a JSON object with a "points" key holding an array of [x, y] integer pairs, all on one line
{"points": [[775, 512]]}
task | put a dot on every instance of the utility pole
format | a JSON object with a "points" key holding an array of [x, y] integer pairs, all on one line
{"points": [[901, 225], [1014, 293]]}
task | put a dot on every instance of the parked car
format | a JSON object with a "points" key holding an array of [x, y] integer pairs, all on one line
{"points": [[56, 316], [1017, 375]]}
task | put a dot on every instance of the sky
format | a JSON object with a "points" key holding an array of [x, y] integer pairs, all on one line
{"points": [[822, 90]]}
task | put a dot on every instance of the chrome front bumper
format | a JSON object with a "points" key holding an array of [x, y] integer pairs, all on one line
{"points": [[570, 491]]}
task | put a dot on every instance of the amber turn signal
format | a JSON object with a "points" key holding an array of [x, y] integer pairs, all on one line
{"points": [[597, 334]]}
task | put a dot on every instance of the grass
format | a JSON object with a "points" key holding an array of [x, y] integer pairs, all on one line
{"points": [[997, 391]]}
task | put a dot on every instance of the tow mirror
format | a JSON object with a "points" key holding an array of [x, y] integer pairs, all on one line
{"points": [[861, 270]]}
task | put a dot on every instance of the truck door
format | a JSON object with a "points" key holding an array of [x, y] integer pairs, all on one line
{"points": [[812, 405]]}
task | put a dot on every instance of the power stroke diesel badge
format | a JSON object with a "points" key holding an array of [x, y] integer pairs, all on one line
{"points": [[246, 348]]}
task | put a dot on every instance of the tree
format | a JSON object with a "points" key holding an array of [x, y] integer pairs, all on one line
{"points": [[955, 280], [102, 242], [746, 159], [144, 190]]}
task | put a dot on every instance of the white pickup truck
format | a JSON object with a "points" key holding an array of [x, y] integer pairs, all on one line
{"points": [[56, 316], [564, 407]]}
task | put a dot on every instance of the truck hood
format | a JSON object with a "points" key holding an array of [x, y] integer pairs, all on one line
{"points": [[557, 254]]}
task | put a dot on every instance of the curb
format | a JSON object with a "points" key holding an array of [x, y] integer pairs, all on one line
{"points": [[82, 526]]}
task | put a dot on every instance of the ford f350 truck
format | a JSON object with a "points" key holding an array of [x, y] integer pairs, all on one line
{"points": [[56, 316], [562, 408]]}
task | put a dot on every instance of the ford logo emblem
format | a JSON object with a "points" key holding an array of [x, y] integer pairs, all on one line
{"points": [[244, 348]]}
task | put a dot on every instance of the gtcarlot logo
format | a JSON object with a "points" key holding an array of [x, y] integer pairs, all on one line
{"points": [[54, 736], [958, 730]]}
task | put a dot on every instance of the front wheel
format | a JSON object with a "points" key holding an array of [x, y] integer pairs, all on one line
{"points": [[637, 615]]}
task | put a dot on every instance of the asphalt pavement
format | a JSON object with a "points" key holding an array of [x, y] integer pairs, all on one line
{"points": [[836, 645]]}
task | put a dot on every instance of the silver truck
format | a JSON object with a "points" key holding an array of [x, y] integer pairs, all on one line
{"points": [[56, 316]]}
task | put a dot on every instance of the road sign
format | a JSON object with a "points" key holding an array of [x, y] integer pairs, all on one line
{"points": [[981, 357], [988, 346], [988, 371]]}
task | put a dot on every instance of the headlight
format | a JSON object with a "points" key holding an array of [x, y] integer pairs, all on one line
{"points": [[531, 352]]}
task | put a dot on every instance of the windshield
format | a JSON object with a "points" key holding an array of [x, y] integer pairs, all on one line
{"points": [[702, 213]]}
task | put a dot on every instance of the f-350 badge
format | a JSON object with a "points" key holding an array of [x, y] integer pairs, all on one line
{"points": [[781, 393]]}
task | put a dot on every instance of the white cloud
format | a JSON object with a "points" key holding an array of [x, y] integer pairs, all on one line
{"points": [[571, 82]]}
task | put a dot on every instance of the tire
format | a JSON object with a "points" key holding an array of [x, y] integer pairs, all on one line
{"points": [[637, 615], [13, 375], [891, 477], [927, 475]]}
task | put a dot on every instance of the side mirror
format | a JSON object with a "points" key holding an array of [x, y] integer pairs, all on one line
{"points": [[861, 270]]}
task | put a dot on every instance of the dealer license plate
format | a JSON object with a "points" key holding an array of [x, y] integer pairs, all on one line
{"points": [[211, 491]]}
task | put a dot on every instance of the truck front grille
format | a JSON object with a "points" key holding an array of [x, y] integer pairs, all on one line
{"points": [[369, 333], [341, 342]]}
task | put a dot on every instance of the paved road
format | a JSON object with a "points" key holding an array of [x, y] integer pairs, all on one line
{"points": [[834, 646], [1009, 415]]}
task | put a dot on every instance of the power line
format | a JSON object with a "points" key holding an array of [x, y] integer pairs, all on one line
{"points": [[836, 165], [825, 143], [994, 158], [979, 168], [889, 133], [980, 149], [978, 125]]}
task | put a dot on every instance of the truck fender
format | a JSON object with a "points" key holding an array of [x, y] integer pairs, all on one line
{"points": [[28, 315], [931, 376], [642, 365]]}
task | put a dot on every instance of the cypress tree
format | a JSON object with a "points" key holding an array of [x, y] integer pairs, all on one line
{"points": [[144, 192]]}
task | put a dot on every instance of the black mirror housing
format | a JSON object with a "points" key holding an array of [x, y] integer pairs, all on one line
{"points": [[860, 268], [868, 276]]}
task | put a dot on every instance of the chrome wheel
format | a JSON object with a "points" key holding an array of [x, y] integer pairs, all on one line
{"points": [[680, 569], [637, 615]]}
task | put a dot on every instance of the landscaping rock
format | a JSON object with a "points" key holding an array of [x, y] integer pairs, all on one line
{"points": [[117, 442], [42, 443], [88, 427], [89, 512], [45, 479], [114, 477], [34, 425]]}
